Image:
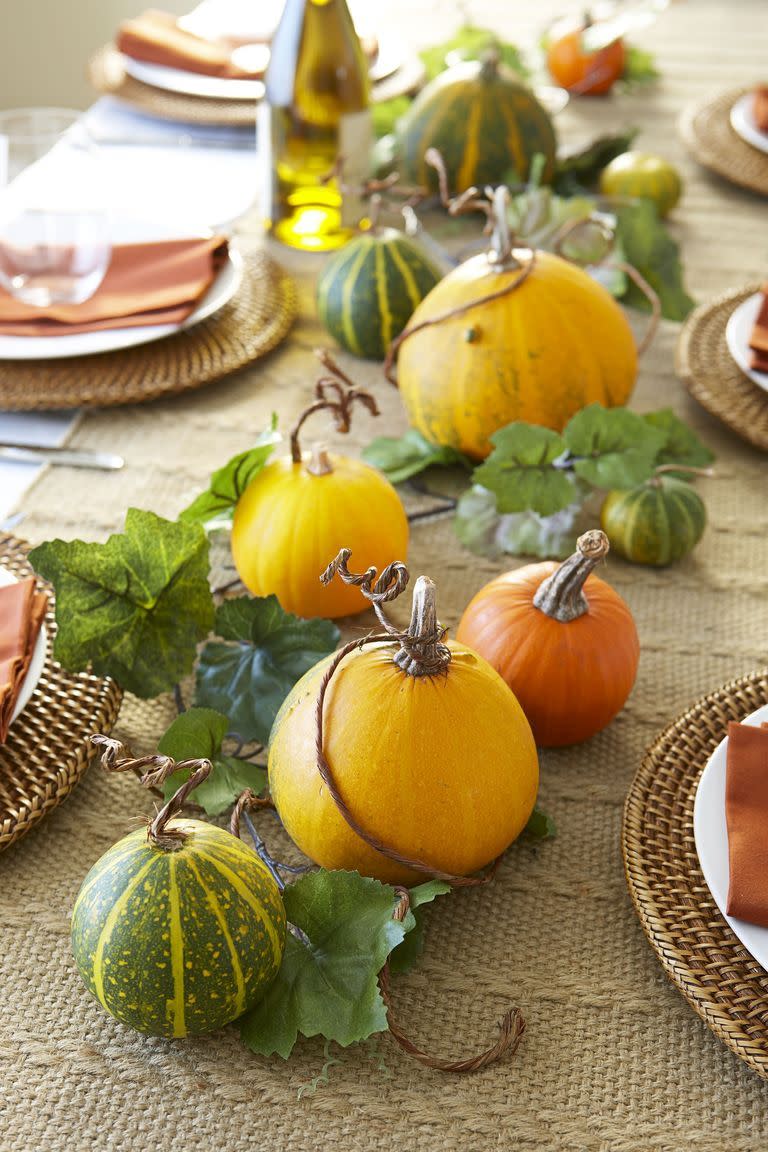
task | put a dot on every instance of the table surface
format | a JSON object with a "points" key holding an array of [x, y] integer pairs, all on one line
{"points": [[613, 1060]]}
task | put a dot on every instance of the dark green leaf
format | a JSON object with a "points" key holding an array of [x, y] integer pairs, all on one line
{"points": [[403, 457], [648, 246], [327, 984], [249, 678], [228, 484], [579, 168], [614, 448], [196, 734], [520, 470], [134, 608], [681, 444], [540, 826], [408, 953]]}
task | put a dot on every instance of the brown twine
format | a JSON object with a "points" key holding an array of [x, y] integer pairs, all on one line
{"points": [[116, 758], [332, 397]]}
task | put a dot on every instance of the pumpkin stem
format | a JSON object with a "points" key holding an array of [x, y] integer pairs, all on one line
{"points": [[422, 652], [332, 397], [117, 758], [561, 595], [663, 469]]}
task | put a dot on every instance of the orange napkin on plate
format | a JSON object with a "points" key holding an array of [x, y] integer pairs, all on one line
{"points": [[22, 609], [758, 341], [746, 813], [158, 283], [760, 107], [156, 38]]}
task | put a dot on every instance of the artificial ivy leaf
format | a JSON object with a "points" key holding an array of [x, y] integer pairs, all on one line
{"points": [[196, 734], [521, 473], [269, 651], [406, 954], [134, 608], [613, 447], [403, 457], [540, 826], [639, 67], [681, 444], [469, 43], [648, 246], [327, 984], [579, 167], [228, 484]]}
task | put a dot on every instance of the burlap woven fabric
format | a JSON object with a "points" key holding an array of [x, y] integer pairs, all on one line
{"points": [[614, 1060]]}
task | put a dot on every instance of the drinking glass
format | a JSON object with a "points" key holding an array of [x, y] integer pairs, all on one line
{"points": [[55, 242]]}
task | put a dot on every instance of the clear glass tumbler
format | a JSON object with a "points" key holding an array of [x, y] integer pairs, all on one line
{"points": [[55, 235]]}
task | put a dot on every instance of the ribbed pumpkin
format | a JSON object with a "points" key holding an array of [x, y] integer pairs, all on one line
{"points": [[486, 125], [539, 352], [368, 291], [656, 523], [178, 941], [429, 749], [564, 641], [290, 517], [582, 72], [642, 174]]}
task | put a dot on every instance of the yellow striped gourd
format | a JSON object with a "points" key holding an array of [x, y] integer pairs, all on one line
{"points": [[370, 288], [177, 942]]}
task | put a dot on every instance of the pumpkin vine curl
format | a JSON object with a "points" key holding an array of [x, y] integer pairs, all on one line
{"points": [[336, 394]]}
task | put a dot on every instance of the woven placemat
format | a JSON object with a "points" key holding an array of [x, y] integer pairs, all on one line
{"points": [[707, 132], [708, 371], [107, 73], [697, 948], [250, 325], [47, 750]]}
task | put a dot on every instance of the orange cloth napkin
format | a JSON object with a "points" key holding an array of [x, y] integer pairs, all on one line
{"points": [[760, 107], [746, 813], [22, 609], [758, 341], [156, 38], [159, 283]]}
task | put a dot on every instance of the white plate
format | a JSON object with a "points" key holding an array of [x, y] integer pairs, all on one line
{"points": [[744, 124], [220, 293], [388, 60], [38, 657], [711, 835], [738, 332]]}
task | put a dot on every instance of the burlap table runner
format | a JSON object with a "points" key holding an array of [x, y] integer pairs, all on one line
{"points": [[613, 1060]]}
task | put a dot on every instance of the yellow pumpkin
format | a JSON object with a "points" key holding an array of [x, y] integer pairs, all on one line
{"points": [[289, 519], [539, 352], [441, 768]]}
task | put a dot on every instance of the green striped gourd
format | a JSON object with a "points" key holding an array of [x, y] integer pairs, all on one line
{"points": [[656, 523], [369, 289], [176, 942], [486, 125]]}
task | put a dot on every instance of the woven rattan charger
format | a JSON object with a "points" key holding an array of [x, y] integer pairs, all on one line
{"points": [[250, 325], [707, 132], [697, 948], [708, 371], [47, 750]]}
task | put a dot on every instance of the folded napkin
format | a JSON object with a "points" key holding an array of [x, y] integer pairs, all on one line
{"points": [[156, 38], [758, 341], [158, 283], [746, 813], [22, 609], [760, 107]]}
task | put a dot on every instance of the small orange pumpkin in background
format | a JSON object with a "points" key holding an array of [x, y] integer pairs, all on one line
{"points": [[564, 641], [290, 517], [574, 67]]}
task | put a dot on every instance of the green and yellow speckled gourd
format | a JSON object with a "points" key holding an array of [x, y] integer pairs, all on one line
{"points": [[180, 928], [655, 523], [484, 122], [368, 290]]}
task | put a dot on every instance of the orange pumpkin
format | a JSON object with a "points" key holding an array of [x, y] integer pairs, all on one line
{"points": [[563, 639], [582, 72]]}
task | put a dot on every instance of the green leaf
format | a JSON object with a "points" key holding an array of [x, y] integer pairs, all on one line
{"points": [[614, 448], [469, 43], [327, 984], [270, 650], [639, 67], [134, 608], [196, 734], [228, 484], [403, 457], [681, 444], [520, 470], [408, 953], [540, 826], [580, 167], [648, 246]]}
